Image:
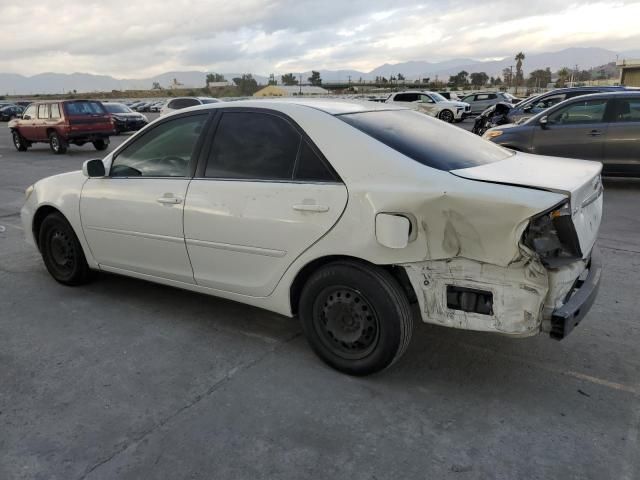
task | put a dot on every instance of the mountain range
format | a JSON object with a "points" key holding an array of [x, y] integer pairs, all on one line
{"points": [[584, 58]]}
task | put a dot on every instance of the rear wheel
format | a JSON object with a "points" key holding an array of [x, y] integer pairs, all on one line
{"points": [[62, 252], [57, 144], [101, 144], [446, 115], [356, 317], [18, 141]]}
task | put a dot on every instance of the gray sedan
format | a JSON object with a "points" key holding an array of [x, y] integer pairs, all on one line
{"points": [[603, 126]]}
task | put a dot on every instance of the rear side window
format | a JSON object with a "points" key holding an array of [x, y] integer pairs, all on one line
{"points": [[426, 140], [55, 110], [627, 110], [311, 167], [84, 108], [252, 146]]}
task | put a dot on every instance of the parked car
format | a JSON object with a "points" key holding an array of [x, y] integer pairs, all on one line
{"points": [[431, 103], [273, 203], [480, 101], [539, 103], [9, 112], [61, 123], [185, 102], [450, 96], [603, 127], [125, 119], [156, 106], [491, 117]]}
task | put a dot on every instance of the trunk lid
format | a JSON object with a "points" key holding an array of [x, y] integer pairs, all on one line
{"points": [[578, 179]]}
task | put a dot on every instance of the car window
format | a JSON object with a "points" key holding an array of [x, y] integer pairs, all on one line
{"points": [[55, 110], [43, 111], [482, 96], [426, 140], [579, 112], [426, 99], [469, 98], [406, 97], [251, 145], [84, 107], [311, 167], [549, 101], [627, 110], [30, 111], [164, 151]]}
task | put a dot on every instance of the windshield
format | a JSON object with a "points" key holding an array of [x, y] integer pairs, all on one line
{"points": [[426, 140], [83, 107], [116, 108], [437, 97]]}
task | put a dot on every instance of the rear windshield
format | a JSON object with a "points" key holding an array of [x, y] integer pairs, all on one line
{"points": [[427, 140], [116, 108], [84, 108]]}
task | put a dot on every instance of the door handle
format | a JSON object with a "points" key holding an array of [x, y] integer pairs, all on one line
{"points": [[595, 133], [311, 208], [166, 200]]}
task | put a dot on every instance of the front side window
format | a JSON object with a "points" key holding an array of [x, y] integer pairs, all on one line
{"points": [[165, 151], [426, 99], [30, 112], [406, 97], [253, 146], [43, 111], [548, 102], [469, 98], [580, 112], [426, 140]]}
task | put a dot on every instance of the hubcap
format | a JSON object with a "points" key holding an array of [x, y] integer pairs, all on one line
{"points": [[346, 322], [61, 250]]}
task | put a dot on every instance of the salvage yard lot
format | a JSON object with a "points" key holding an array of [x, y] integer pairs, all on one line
{"points": [[126, 379]]}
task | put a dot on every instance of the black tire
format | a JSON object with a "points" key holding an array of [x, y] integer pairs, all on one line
{"points": [[57, 144], [356, 317], [101, 144], [62, 252], [446, 116], [18, 141]]}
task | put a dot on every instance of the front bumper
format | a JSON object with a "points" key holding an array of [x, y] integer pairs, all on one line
{"points": [[569, 315]]}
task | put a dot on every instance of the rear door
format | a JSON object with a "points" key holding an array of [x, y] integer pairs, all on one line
{"points": [[622, 146], [265, 195], [87, 116], [576, 130]]}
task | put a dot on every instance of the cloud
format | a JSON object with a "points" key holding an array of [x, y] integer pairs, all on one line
{"points": [[146, 37]]}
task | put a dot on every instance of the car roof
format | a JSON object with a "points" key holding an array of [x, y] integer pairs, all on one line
{"points": [[609, 94]]}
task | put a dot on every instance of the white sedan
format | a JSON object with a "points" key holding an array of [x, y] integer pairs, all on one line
{"points": [[350, 215]]}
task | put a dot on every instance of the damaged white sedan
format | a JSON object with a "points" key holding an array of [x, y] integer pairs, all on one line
{"points": [[352, 216]]}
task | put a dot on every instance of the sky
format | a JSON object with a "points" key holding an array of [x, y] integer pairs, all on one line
{"points": [[142, 38]]}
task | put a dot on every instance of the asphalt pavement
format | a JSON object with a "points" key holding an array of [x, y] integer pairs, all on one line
{"points": [[126, 379]]}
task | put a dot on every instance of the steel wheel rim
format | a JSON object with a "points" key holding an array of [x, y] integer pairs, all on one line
{"points": [[54, 143], [61, 252], [346, 322]]}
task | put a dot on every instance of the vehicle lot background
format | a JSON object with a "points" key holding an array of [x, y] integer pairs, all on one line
{"points": [[126, 379]]}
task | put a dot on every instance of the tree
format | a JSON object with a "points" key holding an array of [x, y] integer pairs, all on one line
{"points": [[401, 78], [584, 76], [246, 84], [497, 82], [539, 78], [215, 77], [315, 79], [563, 74], [289, 79], [478, 79], [459, 80], [156, 86], [519, 58], [272, 80]]}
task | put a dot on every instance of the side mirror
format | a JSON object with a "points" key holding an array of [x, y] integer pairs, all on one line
{"points": [[93, 168]]}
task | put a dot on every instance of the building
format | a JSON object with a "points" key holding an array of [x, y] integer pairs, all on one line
{"points": [[290, 91], [223, 84], [629, 72]]}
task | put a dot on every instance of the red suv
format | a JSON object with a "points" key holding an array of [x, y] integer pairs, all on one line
{"points": [[62, 122]]}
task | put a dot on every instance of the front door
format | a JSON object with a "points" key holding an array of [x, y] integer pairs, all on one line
{"points": [[132, 219], [622, 148], [28, 123], [577, 130], [265, 196]]}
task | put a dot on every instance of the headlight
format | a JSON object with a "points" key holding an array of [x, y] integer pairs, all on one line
{"points": [[553, 237], [28, 192], [493, 134]]}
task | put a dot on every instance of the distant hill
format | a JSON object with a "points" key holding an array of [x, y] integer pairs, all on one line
{"points": [[585, 58]]}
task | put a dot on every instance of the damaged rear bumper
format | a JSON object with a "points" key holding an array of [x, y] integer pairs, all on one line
{"points": [[584, 292]]}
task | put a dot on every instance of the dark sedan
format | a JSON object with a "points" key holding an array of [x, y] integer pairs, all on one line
{"points": [[602, 126], [9, 112], [125, 119]]}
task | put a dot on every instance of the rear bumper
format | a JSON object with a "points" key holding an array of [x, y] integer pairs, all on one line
{"points": [[89, 136], [565, 318]]}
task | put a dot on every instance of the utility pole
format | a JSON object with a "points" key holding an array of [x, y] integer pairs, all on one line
{"points": [[300, 83]]}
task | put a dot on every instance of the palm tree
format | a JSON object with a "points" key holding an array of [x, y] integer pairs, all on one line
{"points": [[519, 76]]}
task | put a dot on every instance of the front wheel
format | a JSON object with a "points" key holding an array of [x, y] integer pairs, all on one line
{"points": [[356, 317], [101, 144], [62, 252], [446, 116], [18, 141]]}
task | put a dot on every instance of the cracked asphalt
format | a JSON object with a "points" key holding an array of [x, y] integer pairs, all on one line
{"points": [[125, 379]]}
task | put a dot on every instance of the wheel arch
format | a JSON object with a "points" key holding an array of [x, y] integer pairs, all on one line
{"points": [[295, 290], [41, 213]]}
